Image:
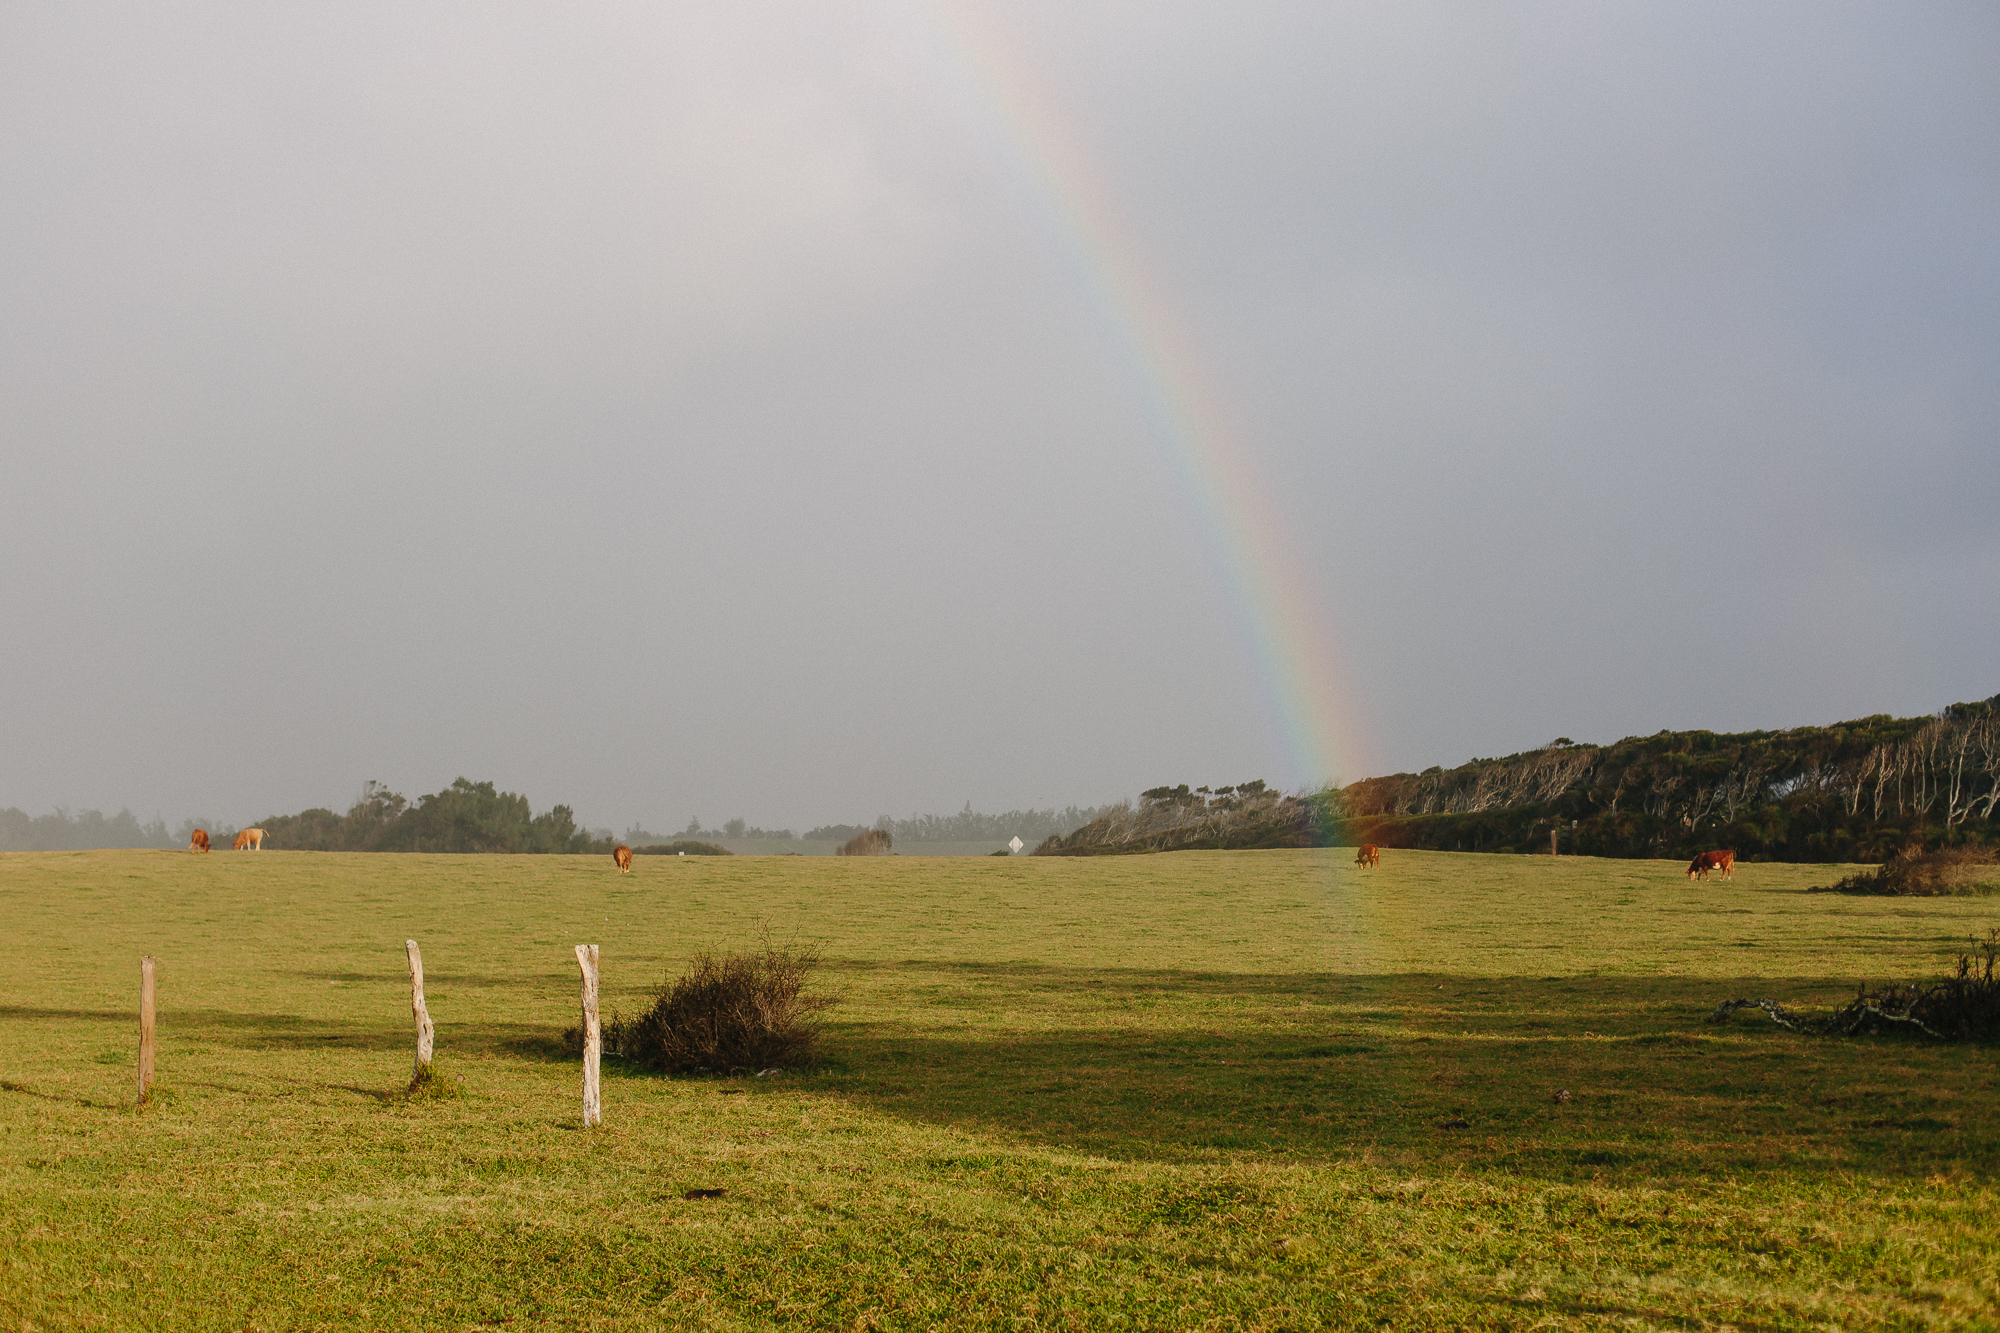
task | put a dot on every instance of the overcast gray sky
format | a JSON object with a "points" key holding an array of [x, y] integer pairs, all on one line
{"points": [[697, 410]]}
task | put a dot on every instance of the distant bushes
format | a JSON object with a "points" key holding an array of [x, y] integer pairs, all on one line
{"points": [[869, 842], [734, 829], [969, 825], [60, 831], [1915, 873], [836, 832], [740, 1011], [465, 817], [1169, 819], [685, 847]]}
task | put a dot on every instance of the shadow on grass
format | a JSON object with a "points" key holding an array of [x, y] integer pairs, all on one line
{"points": [[282, 1032], [1432, 1070], [1600, 1311], [67, 1099], [32, 1013], [541, 1046], [436, 978], [292, 1032]]}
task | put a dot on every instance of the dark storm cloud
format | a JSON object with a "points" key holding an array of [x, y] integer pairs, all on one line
{"points": [[687, 411]]}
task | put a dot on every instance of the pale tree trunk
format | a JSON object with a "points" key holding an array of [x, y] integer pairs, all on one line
{"points": [[593, 1035], [1956, 746], [147, 969], [425, 1032], [1988, 736], [1861, 773]]}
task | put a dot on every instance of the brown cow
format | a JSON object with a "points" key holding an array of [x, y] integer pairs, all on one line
{"points": [[253, 838], [1707, 861], [623, 856], [1369, 855], [199, 842]]}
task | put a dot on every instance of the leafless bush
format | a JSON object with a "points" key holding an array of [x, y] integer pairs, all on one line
{"points": [[875, 842], [1916, 873], [736, 1011]]}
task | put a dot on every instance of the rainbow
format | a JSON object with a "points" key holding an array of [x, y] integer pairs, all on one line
{"points": [[1206, 450]]}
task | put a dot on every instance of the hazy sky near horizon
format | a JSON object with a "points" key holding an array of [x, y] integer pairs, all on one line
{"points": [[703, 410]]}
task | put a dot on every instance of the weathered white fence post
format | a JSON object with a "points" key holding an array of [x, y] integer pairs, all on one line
{"points": [[593, 1034], [425, 1032], [146, 970]]}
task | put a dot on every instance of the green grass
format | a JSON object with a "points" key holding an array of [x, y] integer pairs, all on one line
{"points": [[824, 847], [1202, 1090]]}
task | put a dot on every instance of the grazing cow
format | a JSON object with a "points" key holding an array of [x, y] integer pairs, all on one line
{"points": [[253, 838], [1369, 855], [623, 856], [199, 842], [1707, 861]]}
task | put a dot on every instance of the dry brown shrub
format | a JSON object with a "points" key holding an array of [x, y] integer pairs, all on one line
{"points": [[738, 1011], [875, 842], [1916, 873]]}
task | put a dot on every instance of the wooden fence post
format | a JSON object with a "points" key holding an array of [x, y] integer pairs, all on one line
{"points": [[593, 1035], [146, 971], [1554, 834], [425, 1032]]}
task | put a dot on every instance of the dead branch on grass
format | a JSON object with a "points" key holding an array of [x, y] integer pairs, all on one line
{"points": [[1961, 1007]]}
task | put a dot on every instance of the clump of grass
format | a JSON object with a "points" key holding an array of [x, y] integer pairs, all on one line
{"points": [[727, 1012], [428, 1085], [1916, 873], [157, 1096]]}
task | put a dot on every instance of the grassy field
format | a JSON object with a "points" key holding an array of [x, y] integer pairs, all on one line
{"points": [[1253, 1090]]}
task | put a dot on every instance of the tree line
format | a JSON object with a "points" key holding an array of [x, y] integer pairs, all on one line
{"points": [[476, 817], [467, 816], [968, 825], [1854, 791], [60, 831], [1177, 818]]}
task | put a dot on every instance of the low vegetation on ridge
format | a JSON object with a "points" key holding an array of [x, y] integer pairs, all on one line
{"points": [[1858, 791]]}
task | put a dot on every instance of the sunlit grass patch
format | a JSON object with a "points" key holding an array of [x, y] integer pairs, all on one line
{"points": [[1230, 1090]]}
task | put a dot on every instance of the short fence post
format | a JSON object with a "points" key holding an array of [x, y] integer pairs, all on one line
{"points": [[593, 1035], [146, 971], [425, 1032], [1554, 834]]}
